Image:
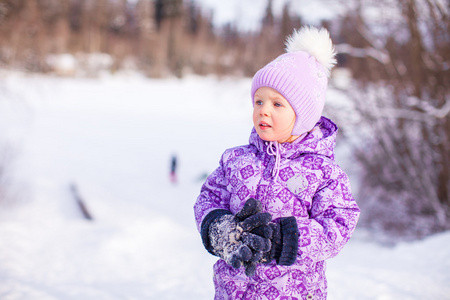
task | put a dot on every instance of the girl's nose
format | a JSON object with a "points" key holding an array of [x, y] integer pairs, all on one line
{"points": [[264, 111]]}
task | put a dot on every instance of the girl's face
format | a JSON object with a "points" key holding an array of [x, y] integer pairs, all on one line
{"points": [[273, 116]]}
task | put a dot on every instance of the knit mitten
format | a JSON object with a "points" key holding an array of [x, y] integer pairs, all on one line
{"points": [[226, 242], [284, 242], [229, 236]]}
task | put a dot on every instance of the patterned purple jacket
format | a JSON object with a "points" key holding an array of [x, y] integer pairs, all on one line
{"points": [[307, 184]]}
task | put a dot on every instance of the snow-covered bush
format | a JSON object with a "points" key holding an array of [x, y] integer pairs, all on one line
{"points": [[84, 64], [62, 64], [92, 64], [402, 95], [403, 152]]}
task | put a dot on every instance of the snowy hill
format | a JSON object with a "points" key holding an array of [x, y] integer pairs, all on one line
{"points": [[113, 137]]}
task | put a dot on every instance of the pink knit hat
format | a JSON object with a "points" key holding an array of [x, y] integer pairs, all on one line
{"points": [[301, 75]]}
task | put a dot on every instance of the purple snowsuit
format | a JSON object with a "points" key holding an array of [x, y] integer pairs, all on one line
{"points": [[304, 182]]}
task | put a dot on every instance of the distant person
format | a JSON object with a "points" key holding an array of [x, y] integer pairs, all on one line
{"points": [[275, 209], [173, 169]]}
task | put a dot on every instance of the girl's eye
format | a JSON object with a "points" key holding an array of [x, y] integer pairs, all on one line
{"points": [[278, 104], [258, 102]]}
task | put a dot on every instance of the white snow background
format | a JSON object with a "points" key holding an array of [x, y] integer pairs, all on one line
{"points": [[113, 137]]}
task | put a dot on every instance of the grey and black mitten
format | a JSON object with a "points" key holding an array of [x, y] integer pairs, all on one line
{"points": [[226, 242], [229, 236]]}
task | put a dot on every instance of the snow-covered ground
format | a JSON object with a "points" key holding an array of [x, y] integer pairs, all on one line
{"points": [[113, 137]]}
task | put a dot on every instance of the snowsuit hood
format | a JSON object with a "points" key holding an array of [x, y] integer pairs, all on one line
{"points": [[321, 141]]}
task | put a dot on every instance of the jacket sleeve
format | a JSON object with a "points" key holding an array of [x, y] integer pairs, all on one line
{"points": [[213, 195], [332, 219]]}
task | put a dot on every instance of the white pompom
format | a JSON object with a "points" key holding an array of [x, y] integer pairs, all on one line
{"points": [[314, 41]]}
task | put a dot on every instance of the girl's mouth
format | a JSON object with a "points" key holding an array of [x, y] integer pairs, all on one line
{"points": [[264, 126]]}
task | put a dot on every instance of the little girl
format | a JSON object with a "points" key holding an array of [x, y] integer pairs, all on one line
{"points": [[275, 209]]}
